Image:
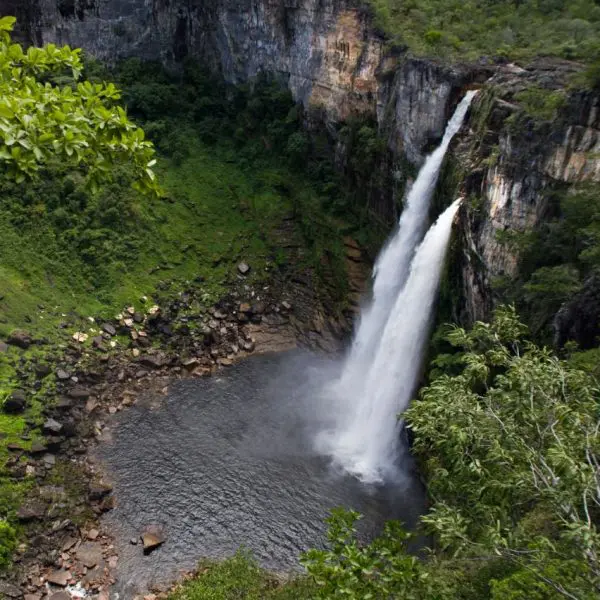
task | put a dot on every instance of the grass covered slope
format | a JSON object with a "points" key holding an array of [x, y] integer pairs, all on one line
{"points": [[516, 29], [233, 183]]}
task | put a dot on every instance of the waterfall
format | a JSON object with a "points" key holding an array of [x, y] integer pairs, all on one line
{"points": [[392, 265], [381, 371], [368, 447]]}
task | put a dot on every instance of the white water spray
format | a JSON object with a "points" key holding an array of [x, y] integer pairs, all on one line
{"points": [[392, 265], [368, 447], [381, 371]]}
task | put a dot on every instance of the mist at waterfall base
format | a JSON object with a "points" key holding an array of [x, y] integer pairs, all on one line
{"points": [[244, 458], [380, 373], [229, 461]]}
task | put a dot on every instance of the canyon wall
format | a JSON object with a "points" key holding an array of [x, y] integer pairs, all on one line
{"points": [[509, 168], [338, 66]]}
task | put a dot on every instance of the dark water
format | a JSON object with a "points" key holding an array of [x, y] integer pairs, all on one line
{"points": [[228, 461]]}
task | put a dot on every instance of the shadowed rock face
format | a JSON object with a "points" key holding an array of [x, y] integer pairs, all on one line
{"points": [[325, 50]]}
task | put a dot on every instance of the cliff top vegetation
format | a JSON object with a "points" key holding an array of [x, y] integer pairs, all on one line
{"points": [[512, 29]]}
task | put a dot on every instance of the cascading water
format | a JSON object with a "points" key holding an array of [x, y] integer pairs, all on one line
{"points": [[392, 265], [381, 371], [368, 447]]}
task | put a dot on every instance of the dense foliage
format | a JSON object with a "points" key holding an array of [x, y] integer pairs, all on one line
{"points": [[48, 114], [509, 439], [516, 29], [556, 258]]}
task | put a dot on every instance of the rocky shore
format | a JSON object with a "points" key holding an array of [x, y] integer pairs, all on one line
{"points": [[105, 367]]}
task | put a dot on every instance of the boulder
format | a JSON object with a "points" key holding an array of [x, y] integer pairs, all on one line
{"points": [[15, 403], [42, 370], [31, 511], [243, 268], [110, 329], [190, 363], [38, 448], [152, 537], [19, 338], [9, 590], [245, 307], [79, 393], [52, 426], [151, 362], [62, 374], [90, 554], [99, 489], [258, 308]]}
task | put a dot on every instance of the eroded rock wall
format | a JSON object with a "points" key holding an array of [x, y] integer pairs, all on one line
{"points": [[511, 166]]}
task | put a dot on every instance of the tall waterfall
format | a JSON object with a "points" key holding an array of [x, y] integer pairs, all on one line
{"points": [[393, 263], [381, 371]]}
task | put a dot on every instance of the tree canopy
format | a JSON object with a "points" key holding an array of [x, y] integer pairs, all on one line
{"points": [[49, 115], [509, 441]]}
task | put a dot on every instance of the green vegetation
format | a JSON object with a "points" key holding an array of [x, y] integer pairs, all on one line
{"points": [[240, 577], [241, 181], [45, 115], [514, 29], [555, 258]]}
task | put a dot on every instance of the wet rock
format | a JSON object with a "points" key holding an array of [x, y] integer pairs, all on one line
{"points": [[42, 370], [62, 374], [79, 393], [31, 511], [60, 578], [9, 590], [15, 403], [90, 554], [20, 338], [52, 426], [151, 362], [152, 537], [107, 504], [99, 489], [38, 448], [243, 268], [248, 346], [110, 329]]}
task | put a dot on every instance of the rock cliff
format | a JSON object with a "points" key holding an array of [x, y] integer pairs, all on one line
{"points": [[510, 166], [338, 66]]}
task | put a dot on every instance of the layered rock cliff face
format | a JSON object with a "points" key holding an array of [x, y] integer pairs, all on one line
{"points": [[511, 166], [326, 50], [334, 63]]}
